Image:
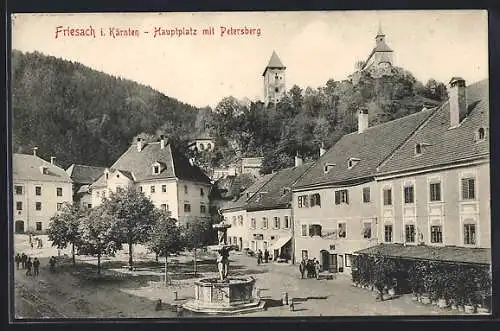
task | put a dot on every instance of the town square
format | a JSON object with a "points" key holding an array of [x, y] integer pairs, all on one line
{"points": [[326, 170]]}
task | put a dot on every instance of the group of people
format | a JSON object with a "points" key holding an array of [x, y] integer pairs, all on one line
{"points": [[32, 267], [262, 258], [309, 268], [39, 243]]}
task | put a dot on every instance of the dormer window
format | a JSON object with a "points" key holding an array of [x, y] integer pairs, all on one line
{"points": [[327, 167], [352, 162], [44, 170], [418, 149], [481, 134], [156, 168], [285, 190]]}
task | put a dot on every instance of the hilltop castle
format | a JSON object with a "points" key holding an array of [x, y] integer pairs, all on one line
{"points": [[274, 80]]}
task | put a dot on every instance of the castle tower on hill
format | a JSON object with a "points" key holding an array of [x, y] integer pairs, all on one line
{"points": [[274, 80], [381, 58]]}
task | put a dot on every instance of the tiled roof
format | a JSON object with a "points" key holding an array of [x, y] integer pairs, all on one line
{"points": [[442, 145], [424, 252], [274, 62], [277, 193], [241, 202], [83, 174], [370, 147], [138, 165], [27, 167]]}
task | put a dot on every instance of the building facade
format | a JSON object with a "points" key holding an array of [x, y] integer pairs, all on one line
{"points": [[164, 175], [83, 176], [274, 80], [40, 189]]}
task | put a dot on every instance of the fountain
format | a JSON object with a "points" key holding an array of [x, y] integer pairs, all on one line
{"points": [[224, 295]]}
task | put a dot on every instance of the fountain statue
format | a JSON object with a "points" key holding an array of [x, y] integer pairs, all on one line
{"points": [[225, 294]]}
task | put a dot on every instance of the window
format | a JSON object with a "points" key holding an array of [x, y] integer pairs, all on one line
{"points": [[234, 220], [156, 170], [304, 230], [164, 188], [202, 193], [253, 223], [348, 260], [39, 226], [152, 189], [418, 149], [276, 89], [140, 188], [264, 222], [117, 175], [277, 223], [287, 222], [410, 233], [341, 196], [367, 230], [202, 146], [305, 256], [107, 175], [203, 209], [303, 201], [163, 206], [366, 194], [89, 205], [59, 191], [342, 230], [436, 234], [315, 200], [240, 220], [315, 230], [387, 196], [18, 189], [185, 189], [187, 208], [38, 190], [59, 206], [468, 188], [409, 194], [388, 233], [435, 191], [104, 194], [38, 206], [19, 205], [209, 146], [481, 134], [469, 234]]}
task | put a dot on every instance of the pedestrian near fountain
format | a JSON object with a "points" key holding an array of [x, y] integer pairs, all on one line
{"points": [[29, 264], [36, 266], [24, 259]]}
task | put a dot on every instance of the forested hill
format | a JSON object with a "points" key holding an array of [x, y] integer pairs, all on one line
{"points": [[80, 115]]}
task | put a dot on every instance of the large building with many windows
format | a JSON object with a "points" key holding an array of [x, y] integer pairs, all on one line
{"points": [[164, 175], [40, 188], [435, 189]]}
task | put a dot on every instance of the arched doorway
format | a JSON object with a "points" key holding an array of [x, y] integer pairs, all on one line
{"points": [[19, 227]]}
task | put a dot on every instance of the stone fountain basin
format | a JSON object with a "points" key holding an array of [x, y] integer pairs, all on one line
{"points": [[234, 295]]}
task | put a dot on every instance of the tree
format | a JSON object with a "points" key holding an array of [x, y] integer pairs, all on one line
{"points": [[63, 228], [197, 234], [135, 217], [383, 270], [165, 237], [98, 231]]}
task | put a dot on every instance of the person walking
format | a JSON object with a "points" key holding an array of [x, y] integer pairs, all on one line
{"points": [[317, 269], [29, 264], [17, 259], [302, 268], [52, 263], [266, 255], [36, 266], [259, 257], [24, 259]]}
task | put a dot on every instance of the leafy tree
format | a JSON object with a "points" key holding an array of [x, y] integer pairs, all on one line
{"points": [[135, 217], [98, 234], [165, 237], [383, 270], [197, 234], [63, 228]]}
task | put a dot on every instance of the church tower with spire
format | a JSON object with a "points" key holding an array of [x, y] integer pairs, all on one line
{"points": [[380, 60], [274, 80]]}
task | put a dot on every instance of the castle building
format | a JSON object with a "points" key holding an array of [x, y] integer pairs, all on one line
{"points": [[40, 188], [274, 80]]}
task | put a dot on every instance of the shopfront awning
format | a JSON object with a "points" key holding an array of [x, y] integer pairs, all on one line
{"points": [[281, 242]]}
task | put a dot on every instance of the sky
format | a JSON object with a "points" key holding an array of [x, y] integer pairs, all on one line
{"points": [[314, 46]]}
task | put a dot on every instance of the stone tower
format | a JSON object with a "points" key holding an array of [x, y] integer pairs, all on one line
{"points": [[380, 59], [274, 80]]}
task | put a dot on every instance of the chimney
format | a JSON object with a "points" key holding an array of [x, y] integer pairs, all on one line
{"points": [[139, 144], [34, 150], [322, 149], [162, 142], [362, 120], [298, 160], [457, 100], [53, 160]]}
